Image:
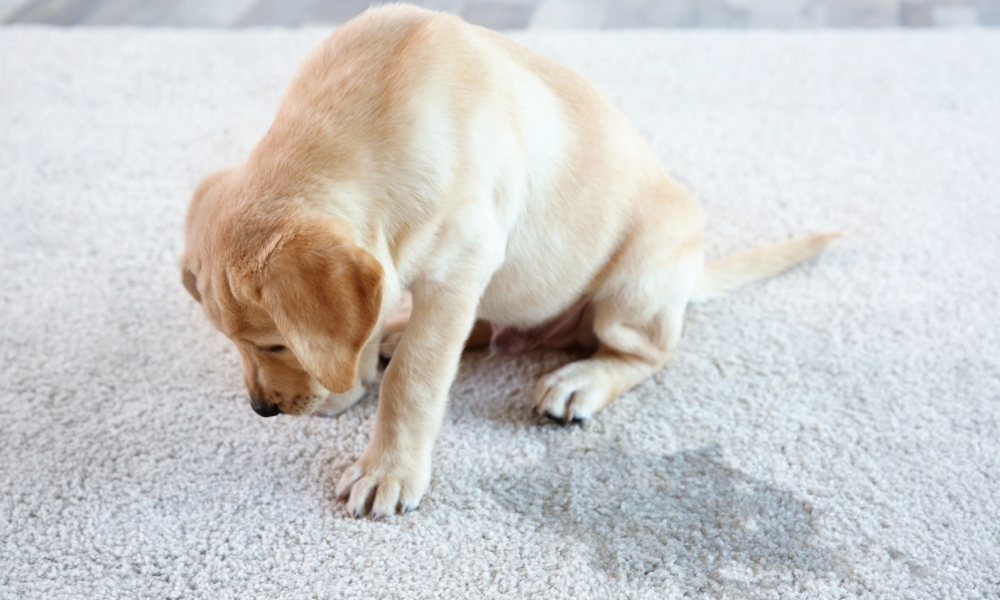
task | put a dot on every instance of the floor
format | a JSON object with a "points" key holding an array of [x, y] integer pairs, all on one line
{"points": [[519, 14], [831, 433]]}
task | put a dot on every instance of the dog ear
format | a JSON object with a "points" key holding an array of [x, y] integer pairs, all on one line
{"points": [[190, 283], [188, 278], [325, 295]]}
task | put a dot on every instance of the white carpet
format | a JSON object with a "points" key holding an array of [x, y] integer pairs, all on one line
{"points": [[830, 433]]}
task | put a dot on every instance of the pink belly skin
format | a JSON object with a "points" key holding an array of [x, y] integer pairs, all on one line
{"points": [[507, 340]]}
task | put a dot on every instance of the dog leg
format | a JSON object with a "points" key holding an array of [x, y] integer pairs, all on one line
{"points": [[395, 469], [638, 317], [395, 325]]}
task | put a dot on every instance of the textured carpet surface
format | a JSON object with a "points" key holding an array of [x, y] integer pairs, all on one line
{"points": [[829, 433]]}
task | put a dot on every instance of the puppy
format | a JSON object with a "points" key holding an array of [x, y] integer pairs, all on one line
{"points": [[416, 153]]}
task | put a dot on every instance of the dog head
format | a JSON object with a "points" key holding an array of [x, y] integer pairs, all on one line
{"points": [[288, 285]]}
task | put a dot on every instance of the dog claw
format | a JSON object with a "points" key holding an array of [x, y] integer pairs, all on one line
{"points": [[553, 416]]}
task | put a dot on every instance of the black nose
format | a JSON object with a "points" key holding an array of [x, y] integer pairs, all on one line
{"points": [[264, 408]]}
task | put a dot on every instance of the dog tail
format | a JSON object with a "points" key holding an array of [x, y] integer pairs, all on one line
{"points": [[718, 278]]}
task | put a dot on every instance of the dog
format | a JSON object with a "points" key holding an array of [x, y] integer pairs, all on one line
{"points": [[416, 154]]}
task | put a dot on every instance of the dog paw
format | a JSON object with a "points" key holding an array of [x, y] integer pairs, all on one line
{"points": [[334, 404], [574, 393], [380, 487]]}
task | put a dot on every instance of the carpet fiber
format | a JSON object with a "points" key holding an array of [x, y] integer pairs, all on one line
{"points": [[829, 433]]}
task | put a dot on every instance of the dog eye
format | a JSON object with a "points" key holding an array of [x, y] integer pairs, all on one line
{"points": [[274, 348]]}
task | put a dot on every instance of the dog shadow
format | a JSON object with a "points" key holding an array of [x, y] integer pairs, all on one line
{"points": [[681, 517]]}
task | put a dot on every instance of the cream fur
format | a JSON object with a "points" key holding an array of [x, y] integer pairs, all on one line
{"points": [[491, 183]]}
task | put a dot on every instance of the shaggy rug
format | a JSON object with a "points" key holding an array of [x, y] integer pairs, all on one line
{"points": [[832, 432]]}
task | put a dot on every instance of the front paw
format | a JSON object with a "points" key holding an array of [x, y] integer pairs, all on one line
{"points": [[334, 404], [380, 486]]}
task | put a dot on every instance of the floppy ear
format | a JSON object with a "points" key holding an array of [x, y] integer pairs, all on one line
{"points": [[194, 216], [325, 295], [190, 283]]}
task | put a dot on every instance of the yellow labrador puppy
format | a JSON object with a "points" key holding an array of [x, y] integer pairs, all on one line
{"points": [[414, 152]]}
